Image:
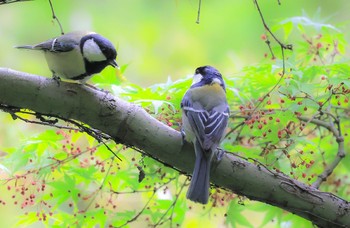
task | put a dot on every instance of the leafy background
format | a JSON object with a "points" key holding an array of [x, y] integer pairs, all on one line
{"points": [[58, 177]]}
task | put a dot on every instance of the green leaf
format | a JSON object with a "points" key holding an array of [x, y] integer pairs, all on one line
{"points": [[288, 27], [303, 21], [86, 173], [109, 76], [234, 215], [269, 216], [157, 104], [20, 158], [27, 219], [122, 217]]}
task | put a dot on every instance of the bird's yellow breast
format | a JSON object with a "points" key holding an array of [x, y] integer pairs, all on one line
{"points": [[209, 95]]}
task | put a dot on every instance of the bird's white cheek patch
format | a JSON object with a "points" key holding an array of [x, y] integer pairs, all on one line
{"points": [[216, 80], [92, 51], [197, 78]]}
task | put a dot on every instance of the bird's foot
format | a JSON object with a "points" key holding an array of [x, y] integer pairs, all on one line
{"points": [[57, 79], [219, 154]]}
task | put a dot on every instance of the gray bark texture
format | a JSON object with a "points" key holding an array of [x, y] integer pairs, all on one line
{"points": [[131, 125]]}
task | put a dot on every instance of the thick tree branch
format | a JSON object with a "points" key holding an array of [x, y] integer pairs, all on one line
{"points": [[131, 125]]}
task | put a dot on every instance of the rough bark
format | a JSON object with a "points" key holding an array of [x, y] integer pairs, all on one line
{"points": [[131, 125]]}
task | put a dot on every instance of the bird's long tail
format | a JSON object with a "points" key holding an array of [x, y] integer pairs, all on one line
{"points": [[198, 190]]}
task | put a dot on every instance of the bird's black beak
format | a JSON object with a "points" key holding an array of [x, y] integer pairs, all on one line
{"points": [[114, 63]]}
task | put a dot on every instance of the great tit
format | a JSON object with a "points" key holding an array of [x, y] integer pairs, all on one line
{"points": [[77, 55], [205, 115]]}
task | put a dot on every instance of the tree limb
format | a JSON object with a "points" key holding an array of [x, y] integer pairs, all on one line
{"points": [[131, 125]]}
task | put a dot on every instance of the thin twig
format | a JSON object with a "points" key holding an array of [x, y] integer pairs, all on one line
{"points": [[268, 42], [12, 111], [3, 2], [341, 149], [199, 10], [102, 184], [144, 190], [54, 17], [131, 192], [284, 46], [146, 205], [172, 206], [283, 62], [235, 128], [51, 165], [140, 212], [157, 159], [270, 91], [98, 135]]}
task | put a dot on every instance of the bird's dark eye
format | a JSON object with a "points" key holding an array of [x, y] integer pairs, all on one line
{"points": [[197, 71]]}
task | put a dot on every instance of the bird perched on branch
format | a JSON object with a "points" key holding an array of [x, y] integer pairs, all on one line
{"points": [[77, 55], [205, 114]]}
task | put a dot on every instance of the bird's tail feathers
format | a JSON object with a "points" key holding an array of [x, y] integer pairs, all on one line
{"points": [[25, 47], [198, 190]]}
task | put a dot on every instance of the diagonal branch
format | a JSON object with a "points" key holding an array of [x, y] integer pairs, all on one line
{"points": [[284, 46], [129, 124], [54, 17], [341, 149], [2, 2]]}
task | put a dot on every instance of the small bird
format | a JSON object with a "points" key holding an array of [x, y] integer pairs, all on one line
{"points": [[205, 114], [77, 55]]}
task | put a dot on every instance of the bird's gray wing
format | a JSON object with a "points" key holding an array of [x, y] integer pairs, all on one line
{"points": [[57, 45], [208, 127], [215, 126], [62, 43], [53, 45]]}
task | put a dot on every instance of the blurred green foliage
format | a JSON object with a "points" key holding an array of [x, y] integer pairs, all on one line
{"points": [[65, 178], [158, 38]]}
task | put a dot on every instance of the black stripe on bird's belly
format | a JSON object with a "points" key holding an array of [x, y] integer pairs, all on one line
{"points": [[91, 68], [80, 77], [95, 67]]}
